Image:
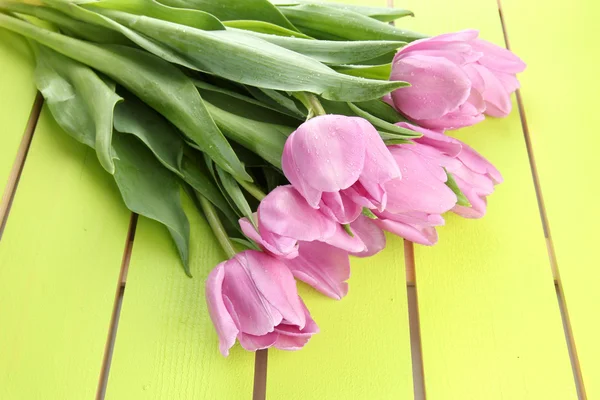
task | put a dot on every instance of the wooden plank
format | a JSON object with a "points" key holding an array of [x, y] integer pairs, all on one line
{"points": [[363, 349], [17, 91], [490, 322], [60, 258], [562, 121], [166, 346]]}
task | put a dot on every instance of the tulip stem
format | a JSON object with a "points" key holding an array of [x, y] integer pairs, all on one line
{"points": [[252, 189], [312, 103], [217, 227]]}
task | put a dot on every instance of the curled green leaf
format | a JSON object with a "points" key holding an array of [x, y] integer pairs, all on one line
{"points": [[159, 135], [81, 102]]}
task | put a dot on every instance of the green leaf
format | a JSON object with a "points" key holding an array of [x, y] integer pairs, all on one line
{"points": [[384, 125], [246, 59], [273, 178], [76, 28], [451, 183], [244, 244], [254, 101], [383, 14], [380, 72], [151, 8], [278, 102], [151, 190], [81, 102], [84, 15], [159, 135], [156, 82], [334, 52], [330, 23], [227, 10], [381, 110], [195, 175], [390, 140], [264, 27], [233, 191], [248, 125]]}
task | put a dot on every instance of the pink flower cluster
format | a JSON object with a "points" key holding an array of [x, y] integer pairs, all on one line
{"points": [[347, 187]]}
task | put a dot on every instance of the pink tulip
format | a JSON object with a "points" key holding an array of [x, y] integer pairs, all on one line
{"points": [[474, 175], [455, 78], [284, 218], [327, 268], [416, 202], [322, 266], [418, 227], [370, 234], [339, 164], [476, 178], [253, 297]]}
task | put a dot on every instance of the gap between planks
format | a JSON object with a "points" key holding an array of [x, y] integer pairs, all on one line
{"points": [[416, 349], [116, 312], [17, 167], [575, 365]]}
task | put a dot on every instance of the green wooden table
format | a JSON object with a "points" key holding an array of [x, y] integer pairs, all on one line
{"points": [[475, 317]]}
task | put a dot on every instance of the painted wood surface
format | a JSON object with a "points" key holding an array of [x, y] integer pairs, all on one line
{"points": [[60, 257], [559, 92], [490, 322], [166, 346], [17, 92]]}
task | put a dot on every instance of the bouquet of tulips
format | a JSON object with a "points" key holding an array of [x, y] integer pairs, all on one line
{"points": [[302, 130]]}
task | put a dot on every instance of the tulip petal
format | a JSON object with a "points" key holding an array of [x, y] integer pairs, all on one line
{"points": [[324, 267], [285, 212], [276, 284], [466, 115], [498, 58], [290, 343], [476, 162], [339, 207], [437, 140], [497, 99], [292, 172], [330, 151], [438, 86], [419, 189], [371, 235], [280, 246], [342, 240], [255, 314], [254, 343], [379, 165], [425, 235], [222, 320]]}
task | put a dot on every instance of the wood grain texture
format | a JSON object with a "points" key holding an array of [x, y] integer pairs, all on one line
{"points": [[563, 120], [490, 322], [166, 346], [363, 349], [17, 95], [59, 266]]}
